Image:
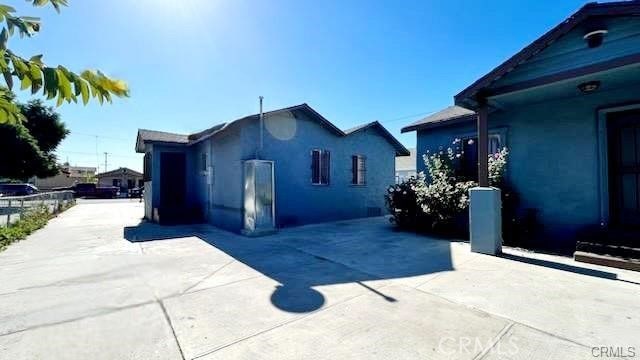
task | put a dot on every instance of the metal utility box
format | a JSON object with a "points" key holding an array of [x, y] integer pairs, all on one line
{"points": [[259, 198]]}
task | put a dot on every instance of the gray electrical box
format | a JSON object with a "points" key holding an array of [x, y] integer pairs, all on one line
{"points": [[259, 198]]}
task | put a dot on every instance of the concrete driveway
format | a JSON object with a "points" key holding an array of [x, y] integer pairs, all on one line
{"points": [[97, 284]]}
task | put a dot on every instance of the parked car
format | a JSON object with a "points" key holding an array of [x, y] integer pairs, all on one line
{"points": [[17, 189], [92, 190], [136, 192]]}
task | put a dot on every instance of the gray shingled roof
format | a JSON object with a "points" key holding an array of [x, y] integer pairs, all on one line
{"points": [[160, 136], [207, 132], [119, 171], [400, 149], [443, 117], [145, 135]]}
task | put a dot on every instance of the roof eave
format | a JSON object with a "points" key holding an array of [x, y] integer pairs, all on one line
{"points": [[438, 124], [401, 150], [467, 97]]}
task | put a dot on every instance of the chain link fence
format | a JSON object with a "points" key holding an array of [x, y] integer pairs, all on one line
{"points": [[13, 207]]}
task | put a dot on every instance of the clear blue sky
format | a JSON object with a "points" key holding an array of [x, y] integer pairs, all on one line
{"points": [[193, 63]]}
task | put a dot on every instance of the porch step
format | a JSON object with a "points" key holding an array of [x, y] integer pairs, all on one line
{"points": [[608, 249], [605, 260], [624, 237]]}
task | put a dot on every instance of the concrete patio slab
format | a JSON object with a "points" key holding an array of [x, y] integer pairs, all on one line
{"points": [[589, 309], [138, 332], [97, 282], [521, 342], [415, 326]]}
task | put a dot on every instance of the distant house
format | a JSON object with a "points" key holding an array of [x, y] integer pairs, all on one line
{"points": [[293, 167], [406, 166], [67, 177], [568, 108], [124, 178]]}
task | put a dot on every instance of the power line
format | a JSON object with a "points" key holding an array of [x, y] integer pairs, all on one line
{"points": [[409, 116], [92, 154], [102, 136]]}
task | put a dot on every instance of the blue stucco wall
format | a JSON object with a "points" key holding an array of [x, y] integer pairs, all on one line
{"points": [[554, 157], [220, 198], [289, 143]]}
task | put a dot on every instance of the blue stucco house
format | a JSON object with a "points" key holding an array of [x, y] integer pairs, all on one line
{"points": [[281, 168], [568, 108]]}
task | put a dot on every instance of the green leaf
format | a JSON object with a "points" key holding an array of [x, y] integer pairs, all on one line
{"points": [[25, 83], [60, 99], [35, 73], [64, 85], [50, 82], [65, 79], [36, 59], [55, 3], [6, 10], [19, 67], [3, 61], [84, 90]]}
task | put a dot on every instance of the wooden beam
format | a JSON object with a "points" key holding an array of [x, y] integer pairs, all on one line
{"points": [[483, 144]]}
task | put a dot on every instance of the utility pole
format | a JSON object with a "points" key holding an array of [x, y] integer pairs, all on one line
{"points": [[105, 161]]}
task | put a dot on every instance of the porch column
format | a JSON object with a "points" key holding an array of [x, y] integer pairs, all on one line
{"points": [[485, 209], [483, 146]]}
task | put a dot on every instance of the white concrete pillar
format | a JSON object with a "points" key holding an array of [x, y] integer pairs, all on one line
{"points": [[485, 220]]}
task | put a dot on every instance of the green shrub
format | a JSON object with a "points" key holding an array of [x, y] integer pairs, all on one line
{"points": [[403, 204], [28, 223]]}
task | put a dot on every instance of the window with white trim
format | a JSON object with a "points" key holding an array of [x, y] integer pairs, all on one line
{"points": [[320, 166], [358, 170]]}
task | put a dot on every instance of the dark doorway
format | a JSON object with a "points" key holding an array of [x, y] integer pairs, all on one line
{"points": [[623, 130], [172, 187]]}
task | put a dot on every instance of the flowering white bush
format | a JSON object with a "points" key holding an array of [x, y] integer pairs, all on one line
{"points": [[445, 195], [497, 166], [439, 196]]}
